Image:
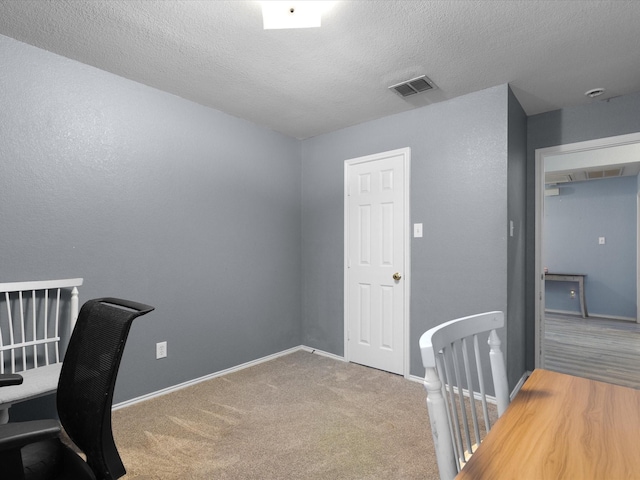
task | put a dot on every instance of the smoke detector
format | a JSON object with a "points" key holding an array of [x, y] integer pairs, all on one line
{"points": [[411, 87], [594, 92]]}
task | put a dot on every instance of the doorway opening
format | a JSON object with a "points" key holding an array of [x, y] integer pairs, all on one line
{"points": [[581, 161]]}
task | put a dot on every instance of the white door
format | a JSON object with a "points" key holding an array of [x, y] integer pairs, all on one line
{"points": [[376, 260]]}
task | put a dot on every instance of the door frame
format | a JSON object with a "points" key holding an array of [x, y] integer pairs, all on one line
{"points": [[540, 156], [406, 276]]}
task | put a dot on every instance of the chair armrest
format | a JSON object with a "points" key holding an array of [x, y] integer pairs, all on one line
{"points": [[7, 379], [19, 434]]}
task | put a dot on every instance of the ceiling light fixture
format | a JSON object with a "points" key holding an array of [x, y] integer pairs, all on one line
{"points": [[594, 92], [278, 14]]}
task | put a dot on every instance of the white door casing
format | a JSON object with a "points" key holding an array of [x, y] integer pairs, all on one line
{"points": [[542, 155], [377, 248]]}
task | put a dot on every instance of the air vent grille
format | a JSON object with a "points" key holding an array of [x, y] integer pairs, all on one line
{"points": [[557, 178], [616, 172], [413, 86]]}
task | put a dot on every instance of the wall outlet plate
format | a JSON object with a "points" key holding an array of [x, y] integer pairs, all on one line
{"points": [[161, 350]]}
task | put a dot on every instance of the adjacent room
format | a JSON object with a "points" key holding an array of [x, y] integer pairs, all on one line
{"points": [[203, 159]]}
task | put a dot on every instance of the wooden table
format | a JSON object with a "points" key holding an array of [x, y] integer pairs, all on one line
{"points": [[562, 427], [571, 277]]}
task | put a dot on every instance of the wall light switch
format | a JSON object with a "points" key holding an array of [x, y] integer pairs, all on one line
{"points": [[600, 240], [417, 230]]}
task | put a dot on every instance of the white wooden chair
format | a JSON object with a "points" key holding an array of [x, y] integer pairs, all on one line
{"points": [[36, 320], [455, 388]]}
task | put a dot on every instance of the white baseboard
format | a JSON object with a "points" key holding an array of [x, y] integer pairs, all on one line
{"points": [[612, 317], [322, 352], [180, 386], [465, 392], [252, 363], [518, 386], [490, 399], [591, 315], [575, 313]]}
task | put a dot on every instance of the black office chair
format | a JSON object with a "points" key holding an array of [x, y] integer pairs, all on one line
{"points": [[30, 450]]}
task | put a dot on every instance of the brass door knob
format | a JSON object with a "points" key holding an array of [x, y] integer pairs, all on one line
{"points": [[397, 276]]}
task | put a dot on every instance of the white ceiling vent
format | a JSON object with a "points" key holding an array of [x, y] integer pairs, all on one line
{"points": [[615, 172], [413, 86], [557, 178]]}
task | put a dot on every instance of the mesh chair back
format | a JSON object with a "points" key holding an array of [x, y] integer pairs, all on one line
{"points": [[88, 377]]}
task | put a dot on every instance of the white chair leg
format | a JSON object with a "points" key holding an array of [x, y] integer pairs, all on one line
{"points": [[499, 372], [442, 441]]}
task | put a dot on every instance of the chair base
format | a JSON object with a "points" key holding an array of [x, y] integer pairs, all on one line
{"points": [[52, 460]]}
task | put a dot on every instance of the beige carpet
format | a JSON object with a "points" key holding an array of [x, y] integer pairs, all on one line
{"points": [[300, 416]]}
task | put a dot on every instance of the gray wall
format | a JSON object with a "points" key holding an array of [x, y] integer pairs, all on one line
{"points": [[516, 208], [600, 119], [153, 198], [205, 216], [459, 193], [573, 222]]}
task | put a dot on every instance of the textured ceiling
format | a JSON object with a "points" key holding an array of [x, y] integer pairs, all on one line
{"points": [[311, 81]]}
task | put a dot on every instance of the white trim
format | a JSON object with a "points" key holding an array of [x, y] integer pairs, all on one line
{"points": [[304, 348], [519, 385], [575, 313], [415, 378], [406, 153], [188, 383], [490, 398], [220, 373], [612, 317], [540, 155], [322, 353], [587, 145]]}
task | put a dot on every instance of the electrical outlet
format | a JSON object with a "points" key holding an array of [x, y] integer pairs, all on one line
{"points": [[161, 350]]}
